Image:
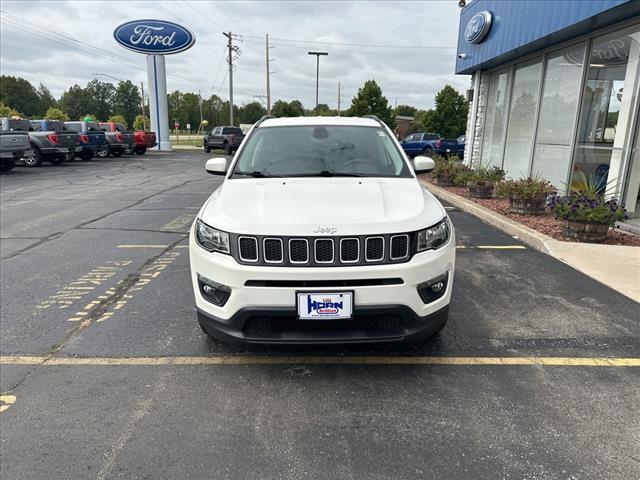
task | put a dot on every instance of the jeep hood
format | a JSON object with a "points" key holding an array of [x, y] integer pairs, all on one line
{"points": [[298, 206]]}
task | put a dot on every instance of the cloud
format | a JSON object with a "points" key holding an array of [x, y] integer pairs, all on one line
{"points": [[364, 40]]}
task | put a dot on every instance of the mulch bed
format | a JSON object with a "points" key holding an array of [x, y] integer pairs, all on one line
{"points": [[546, 223]]}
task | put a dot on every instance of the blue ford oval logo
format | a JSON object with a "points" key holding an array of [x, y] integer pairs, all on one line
{"points": [[156, 37], [478, 27]]}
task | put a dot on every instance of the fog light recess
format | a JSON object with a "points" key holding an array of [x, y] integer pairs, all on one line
{"points": [[433, 289], [213, 292]]}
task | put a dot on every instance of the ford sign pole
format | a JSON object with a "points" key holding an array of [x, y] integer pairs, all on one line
{"points": [[158, 100], [156, 38]]}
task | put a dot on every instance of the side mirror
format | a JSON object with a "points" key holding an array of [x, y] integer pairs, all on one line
{"points": [[423, 164], [216, 166]]}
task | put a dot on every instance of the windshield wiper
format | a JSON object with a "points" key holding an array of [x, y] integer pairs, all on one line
{"points": [[327, 173], [255, 174]]}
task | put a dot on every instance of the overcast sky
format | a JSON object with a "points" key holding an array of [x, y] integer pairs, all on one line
{"points": [[409, 48]]}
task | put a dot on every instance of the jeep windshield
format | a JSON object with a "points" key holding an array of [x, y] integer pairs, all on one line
{"points": [[320, 151]]}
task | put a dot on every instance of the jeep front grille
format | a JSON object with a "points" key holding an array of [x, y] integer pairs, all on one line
{"points": [[322, 251]]}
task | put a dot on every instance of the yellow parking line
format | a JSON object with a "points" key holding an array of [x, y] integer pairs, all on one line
{"points": [[6, 401], [321, 360]]}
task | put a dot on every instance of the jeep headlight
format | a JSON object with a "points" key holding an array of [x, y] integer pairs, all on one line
{"points": [[211, 239], [434, 237]]}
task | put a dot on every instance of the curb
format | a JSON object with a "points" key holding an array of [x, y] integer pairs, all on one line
{"points": [[531, 237]]}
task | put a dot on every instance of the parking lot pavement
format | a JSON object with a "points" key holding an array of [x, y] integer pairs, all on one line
{"points": [[106, 374]]}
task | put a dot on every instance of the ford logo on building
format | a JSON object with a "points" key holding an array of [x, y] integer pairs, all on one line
{"points": [[478, 27], [155, 37]]}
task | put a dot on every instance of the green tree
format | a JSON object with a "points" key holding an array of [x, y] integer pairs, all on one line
{"points": [[118, 119], [75, 102], [142, 123], [426, 118], [101, 96], [405, 110], [283, 109], [46, 99], [19, 94], [126, 101], [251, 112], [323, 110], [415, 127], [370, 101], [6, 111], [54, 113], [450, 115]]}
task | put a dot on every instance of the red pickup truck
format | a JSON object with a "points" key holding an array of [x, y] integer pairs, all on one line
{"points": [[141, 140]]}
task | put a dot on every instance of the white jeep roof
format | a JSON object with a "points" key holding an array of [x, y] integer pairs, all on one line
{"points": [[292, 121]]}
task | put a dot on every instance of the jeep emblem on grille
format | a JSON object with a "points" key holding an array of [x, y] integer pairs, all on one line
{"points": [[329, 230]]}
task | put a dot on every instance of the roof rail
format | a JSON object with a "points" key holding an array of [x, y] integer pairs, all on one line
{"points": [[265, 117], [373, 117]]}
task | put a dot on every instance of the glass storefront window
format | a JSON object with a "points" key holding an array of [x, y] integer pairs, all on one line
{"points": [[558, 110], [496, 115], [520, 130], [606, 108]]}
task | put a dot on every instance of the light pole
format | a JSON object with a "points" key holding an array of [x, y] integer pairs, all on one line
{"points": [[107, 75], [317, 54]]}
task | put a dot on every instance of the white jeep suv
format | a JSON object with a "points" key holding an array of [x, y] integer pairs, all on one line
{"points": [[321, 233]]}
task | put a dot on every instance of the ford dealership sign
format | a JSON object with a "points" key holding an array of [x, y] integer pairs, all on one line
{"points": [[154, 37], [478, 27]]}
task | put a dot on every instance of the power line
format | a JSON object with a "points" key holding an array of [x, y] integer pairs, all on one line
{"points": [[349, 44]]}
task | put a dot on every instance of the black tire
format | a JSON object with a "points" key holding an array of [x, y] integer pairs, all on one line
{"points": [[58, 159], [129, 150], [206, 147], [141, 150], [70, 157], [117, 153], [427, 152], [7, 165], [34, 160], [103, 153], [227, 148]]}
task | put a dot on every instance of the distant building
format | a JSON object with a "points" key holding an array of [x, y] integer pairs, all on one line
{"points": [[556, 90], [402, 125]]}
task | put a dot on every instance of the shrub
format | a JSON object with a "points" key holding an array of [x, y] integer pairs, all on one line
{"points": [[525, 187], [578, 207], [485, 174]]}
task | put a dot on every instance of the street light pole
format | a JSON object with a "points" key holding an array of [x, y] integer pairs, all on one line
{"points": [[317, 54]]}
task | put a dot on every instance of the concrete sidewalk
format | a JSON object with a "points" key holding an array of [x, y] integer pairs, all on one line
{"points": [[616, 266]]}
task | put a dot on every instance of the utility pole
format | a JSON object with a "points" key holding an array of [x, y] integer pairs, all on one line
{"points": [[230, 45], [201, 117], [144, 121], [317, 54], [338, 98], [268, 78]]}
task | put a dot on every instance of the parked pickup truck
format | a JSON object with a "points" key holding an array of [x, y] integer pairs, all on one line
{"points": [[432, 144], [90, 138], [14, 146], [111, 128], [227, 138], [49, 139], [143, 140]]}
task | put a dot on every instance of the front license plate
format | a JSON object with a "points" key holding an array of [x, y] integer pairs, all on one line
{"points": [[324, 306]]}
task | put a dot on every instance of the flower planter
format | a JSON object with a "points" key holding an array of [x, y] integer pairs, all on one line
{"points": [[527, 206], [585, 232], [480, 189], [445, 181]]}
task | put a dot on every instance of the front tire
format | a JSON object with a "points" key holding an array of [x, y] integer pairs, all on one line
{"points": [[34, 160], [207, 148], [128, 150], [141, 151]]}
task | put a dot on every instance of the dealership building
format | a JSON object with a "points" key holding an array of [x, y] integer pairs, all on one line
{"points": [[555, 90]]}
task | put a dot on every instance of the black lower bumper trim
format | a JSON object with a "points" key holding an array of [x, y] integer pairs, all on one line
{"points": [[370, 324]]}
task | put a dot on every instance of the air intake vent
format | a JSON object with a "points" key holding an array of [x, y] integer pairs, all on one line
{"points": [[273, 250], [399, 247], [298, 250], [374, 249], [248, 249], [324, 250], [349, 250]]}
